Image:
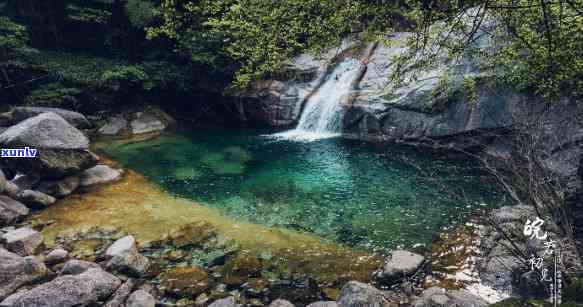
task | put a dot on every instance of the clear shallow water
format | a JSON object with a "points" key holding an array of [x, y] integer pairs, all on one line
{"points": [[346, 191]]}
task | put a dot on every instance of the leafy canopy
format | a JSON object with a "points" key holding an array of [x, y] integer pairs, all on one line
{"points": [[537, 45], [256, 36]]}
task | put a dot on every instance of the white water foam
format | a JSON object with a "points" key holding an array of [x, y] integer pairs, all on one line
{"points": [[322, 116]]}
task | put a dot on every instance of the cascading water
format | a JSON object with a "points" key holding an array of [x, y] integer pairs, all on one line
{"points": [[322, 114]]}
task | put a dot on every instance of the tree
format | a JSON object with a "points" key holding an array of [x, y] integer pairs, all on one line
{"points": [[257, 36], [538, 45]]}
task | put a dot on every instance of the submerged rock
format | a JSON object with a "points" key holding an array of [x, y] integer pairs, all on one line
{"points": [[67, 291], [76, 119], [400, 264], [185, 281], [141, 298], [99, 174], [23, 241], [11, 211], [356, 294], [16, 271], [238, 270], [61, 149], [35, 198]]}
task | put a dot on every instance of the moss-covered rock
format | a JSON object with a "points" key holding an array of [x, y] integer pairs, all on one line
{"points": [[239, 269], [185, 281]]}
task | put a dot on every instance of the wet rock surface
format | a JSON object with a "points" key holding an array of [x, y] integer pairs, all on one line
{"points": [[69, 290]]}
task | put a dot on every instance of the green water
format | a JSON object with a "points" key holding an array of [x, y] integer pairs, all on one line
{"points": [[347, 191]]}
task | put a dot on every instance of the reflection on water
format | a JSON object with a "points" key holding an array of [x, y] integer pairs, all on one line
{"points": [[341, 190]]}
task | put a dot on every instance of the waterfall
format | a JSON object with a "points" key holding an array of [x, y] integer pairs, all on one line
{"points": [[322, 114]]}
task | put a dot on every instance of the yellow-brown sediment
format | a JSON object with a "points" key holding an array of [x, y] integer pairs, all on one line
{"points": [[135, 206]]}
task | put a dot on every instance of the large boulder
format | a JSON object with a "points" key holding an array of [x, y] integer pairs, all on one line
{"points": [[22, 241], [400, 264], [61, 149], [19, 114], [70, 290], [356, 294], [16, 271], [123, 257], [11, 211]]}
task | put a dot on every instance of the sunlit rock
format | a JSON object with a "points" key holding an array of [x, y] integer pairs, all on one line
{"points": [[23, 241], [400, 264]]}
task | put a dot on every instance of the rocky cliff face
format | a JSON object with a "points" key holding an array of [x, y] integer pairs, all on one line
{"points": [[278, 102], [452, 104]]}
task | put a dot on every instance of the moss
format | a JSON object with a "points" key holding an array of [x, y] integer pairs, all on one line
{"points": [[237, 270], [54, 95], [195, 234], [185, 281], [133, 205]]}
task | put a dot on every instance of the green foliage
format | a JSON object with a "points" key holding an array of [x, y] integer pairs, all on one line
{"points": [[54, 95], [127, 74], [535, 46], [258, 35], [140, 12], [12, 37], [469, 89]]}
